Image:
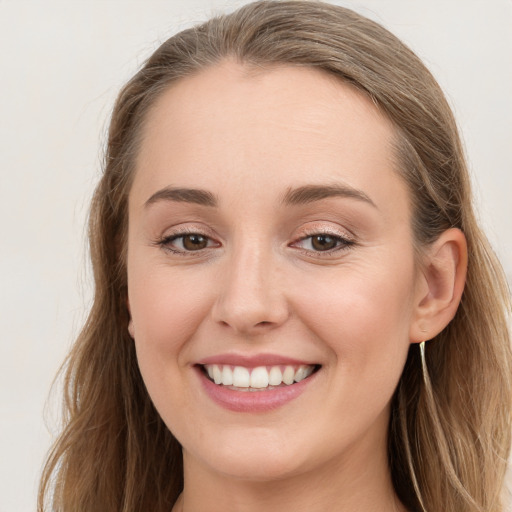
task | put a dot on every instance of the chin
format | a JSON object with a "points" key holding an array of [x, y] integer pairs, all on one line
{"points": [[261, 469], [255, 458]]}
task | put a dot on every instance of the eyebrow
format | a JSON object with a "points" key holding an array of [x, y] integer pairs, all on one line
{"points": [[185, 195], [311, 193], [296, 196]]}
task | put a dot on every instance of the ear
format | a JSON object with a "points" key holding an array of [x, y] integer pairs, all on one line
{"points": [[440, 285]]}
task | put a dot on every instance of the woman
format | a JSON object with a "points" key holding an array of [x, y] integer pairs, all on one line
{"points": [[295, 307]]}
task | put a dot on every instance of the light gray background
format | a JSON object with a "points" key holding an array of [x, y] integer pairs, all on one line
{"points": [[62, 63]]}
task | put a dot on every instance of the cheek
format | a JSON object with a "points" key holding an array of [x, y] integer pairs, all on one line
{"points": [[363, 315], [360, 300], [167, 308], [363, 319]]}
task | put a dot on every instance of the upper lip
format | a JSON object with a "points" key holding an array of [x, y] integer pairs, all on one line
{"points": [[252, 361]]}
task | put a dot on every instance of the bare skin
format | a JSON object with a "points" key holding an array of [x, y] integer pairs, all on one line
{"points": [[246, 267]]}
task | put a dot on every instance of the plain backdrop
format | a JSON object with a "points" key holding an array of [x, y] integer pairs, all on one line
{"points": [[62, 63]]}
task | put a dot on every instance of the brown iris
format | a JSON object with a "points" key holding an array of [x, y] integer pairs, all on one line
{"points": [[194, 242], [323, 242]]}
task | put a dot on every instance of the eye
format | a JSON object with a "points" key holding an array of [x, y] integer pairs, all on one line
{"points": [[323, 242], [187, 242]]}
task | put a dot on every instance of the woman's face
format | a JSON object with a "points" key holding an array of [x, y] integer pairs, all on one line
{"points": [[269, 229]]}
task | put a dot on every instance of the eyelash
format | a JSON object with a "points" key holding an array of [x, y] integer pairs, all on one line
{"points": [[342, 243], [166, 241]]}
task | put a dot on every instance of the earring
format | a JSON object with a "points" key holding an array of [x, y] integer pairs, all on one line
{"points": [[423, 362]]}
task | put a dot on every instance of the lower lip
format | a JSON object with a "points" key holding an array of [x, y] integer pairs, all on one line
{"points": [[253, 401]]}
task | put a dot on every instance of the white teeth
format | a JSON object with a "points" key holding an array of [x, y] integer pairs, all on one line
{"points": [[302, 373], [227, 376], [241, 377], [260, 377], [275, 377], [217, 374], [289, 375]]}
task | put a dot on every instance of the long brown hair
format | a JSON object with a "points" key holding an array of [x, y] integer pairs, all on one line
{"points": [[449, 433]]}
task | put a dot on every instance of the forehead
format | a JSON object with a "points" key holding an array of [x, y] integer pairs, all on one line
{"points": [[234, 128]]}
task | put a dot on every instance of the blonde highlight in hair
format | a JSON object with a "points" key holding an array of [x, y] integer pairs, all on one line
{"points": [[449, 433]]}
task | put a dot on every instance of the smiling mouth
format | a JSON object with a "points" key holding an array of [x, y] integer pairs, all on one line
{"points": [[260, 378]]}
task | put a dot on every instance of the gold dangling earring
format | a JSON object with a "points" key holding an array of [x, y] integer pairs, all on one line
{"points": [[423, 362]]}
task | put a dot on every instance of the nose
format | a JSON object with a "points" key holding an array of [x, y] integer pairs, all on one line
{"points": [[251, 298]]}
